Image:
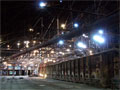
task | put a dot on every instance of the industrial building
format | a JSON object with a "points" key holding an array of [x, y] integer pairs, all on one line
{"points": [[71, 45]]}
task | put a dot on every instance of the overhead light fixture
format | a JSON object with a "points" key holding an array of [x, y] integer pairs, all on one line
{"points": [[61, 42], [60, 1], [5, 63], [76, 25], [81, 45], [34, 42], [26, 44], [31, 30], [52, 51], [100, 31], [8, 46], [84, 35], [98, 39], [42, 4], [54, 61], [68, 50], [63, 26], [18, 44], [90, 51]]}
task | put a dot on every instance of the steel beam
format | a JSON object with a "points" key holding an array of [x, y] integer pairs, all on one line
{"points": [[106, 21]]}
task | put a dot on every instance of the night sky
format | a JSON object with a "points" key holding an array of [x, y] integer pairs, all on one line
{"points": [[18, 17]]}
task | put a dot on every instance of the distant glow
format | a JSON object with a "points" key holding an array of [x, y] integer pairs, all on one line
{"points": [[60, 1], [33, 54], [81, 45], [23, 62], [84, 35], [98, 38], [18, 44], [68, 50], [62, 32], [36, 51], [90, 51], [27, 43], [38, 33], [8, 46], [21, 56], [25, 66], [9, 64], [41, 75], [63, 53], [76, 25], [5, 63], [100, 31], [27, 46], [21, 50], [42, 4], [45, 61], [63, 26], [52, 51], [45, 76], [61, 42], [34, 42], [54, 61], [70, 45], [31, 30], [49, 60], [60, 52]]}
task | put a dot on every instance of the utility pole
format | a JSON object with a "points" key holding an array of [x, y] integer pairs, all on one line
{"points": [[42, 25], [58, 33], [42, 28]]}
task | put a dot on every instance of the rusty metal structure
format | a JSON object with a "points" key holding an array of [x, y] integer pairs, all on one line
{"points": [[99, 69]]}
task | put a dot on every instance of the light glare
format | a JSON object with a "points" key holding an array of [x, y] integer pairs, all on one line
{"points": [[76, 25], [42, 4], [63, 26], [61, 42], [100, 31], [98, 38], [81, 45]]}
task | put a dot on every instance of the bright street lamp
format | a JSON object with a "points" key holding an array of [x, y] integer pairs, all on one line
{"points": [[68, 50], [63, 26], [31, 30], [61, 42], [42, 4], [84, 35], [98, 39], [34, 42], [91, 52], [8, 46], [60, 1], [18, 44], [100, 31], [27, 43], [76, 25], [81, 45]]}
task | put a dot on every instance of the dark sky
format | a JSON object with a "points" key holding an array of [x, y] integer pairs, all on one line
{"points": [[18, 17]]}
